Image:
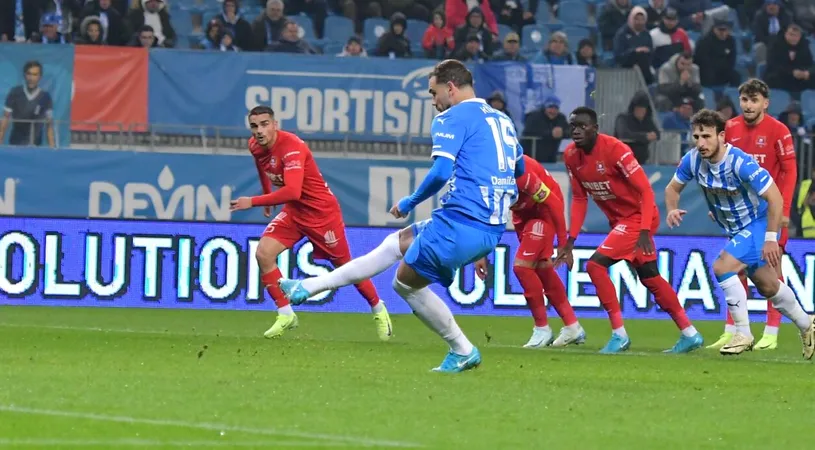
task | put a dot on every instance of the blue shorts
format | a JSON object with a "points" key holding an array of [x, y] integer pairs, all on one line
{"points": [[442, 245], [747, 244]]}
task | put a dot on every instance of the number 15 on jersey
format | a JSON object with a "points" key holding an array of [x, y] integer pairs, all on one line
{"points": [[500, 196]]}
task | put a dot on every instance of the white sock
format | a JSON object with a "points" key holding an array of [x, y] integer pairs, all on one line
{"points": [[431, 310], [785, 302], [773, 331], [546, 328], [286, 310], [689, 331], [620, 331], [736, 300], [730, 329], [380, 305], [358, 269], [575, 326]]}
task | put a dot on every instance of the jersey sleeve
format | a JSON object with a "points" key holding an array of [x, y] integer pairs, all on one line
{"points": [[579, 204], [684, 172], [785, 152], [10, 101], [751, 173], [631, 170], [448, 136], [293, 162], [48, 105]]}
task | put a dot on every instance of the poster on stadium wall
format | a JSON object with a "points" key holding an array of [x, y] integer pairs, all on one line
{"points": [[110, 87], [192, 265], [318, 97], [172, 186], [58, 66]]}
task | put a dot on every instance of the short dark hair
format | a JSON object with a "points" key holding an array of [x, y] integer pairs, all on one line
{"points": [[259, 110], [31, 64], [144, 28], [452, 71], [754, 86], [708, 118], [587, 111]]}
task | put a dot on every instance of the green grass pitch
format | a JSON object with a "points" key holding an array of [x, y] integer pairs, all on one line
{"points": [[122, 378]]}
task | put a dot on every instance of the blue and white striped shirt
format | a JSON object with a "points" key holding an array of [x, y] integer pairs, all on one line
{"points": [[732, 187]]}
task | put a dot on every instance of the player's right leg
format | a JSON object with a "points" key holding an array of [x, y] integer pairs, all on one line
{"points": [[531, 249], [280, 235], [618, 245], [726, 268]]}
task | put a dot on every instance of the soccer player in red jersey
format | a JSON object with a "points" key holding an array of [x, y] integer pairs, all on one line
{"points": [[537, 222], [770, 143], [605, 168], [310, 211]]}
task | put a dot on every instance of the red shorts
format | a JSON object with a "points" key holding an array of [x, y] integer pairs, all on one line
{"points": [[537, 240], [621, 242], [329, 240]]}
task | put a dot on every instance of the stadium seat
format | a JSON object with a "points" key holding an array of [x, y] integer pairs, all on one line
{"points": [[808, 103], [780, 99], [543, 14], [575, 35], [333, 48], [250, 13], [373, 28], [182, 22], [710, 97], [503, 31], [733, 93], [574, 12], [534, 37], [415, 31], [338, 29], [306, 26]]}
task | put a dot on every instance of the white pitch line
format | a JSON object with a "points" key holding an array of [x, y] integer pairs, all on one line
{"points": [[143, 443], [365, 442]]}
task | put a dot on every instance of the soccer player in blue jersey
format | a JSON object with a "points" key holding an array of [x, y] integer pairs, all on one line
{"points": [[476, 153], [747, 204]]}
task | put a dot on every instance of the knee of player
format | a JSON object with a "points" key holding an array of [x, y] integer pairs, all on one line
{"points": [[522, 266], [266, 255], [648, 270], [721, 268], [767, 286], [399, 287], [405, 238]]}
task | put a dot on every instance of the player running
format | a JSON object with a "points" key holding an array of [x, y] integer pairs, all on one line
{"points": [[748, 206], [768, 141], [476, 152], [536, 225], [310, 211], [606, 169]]}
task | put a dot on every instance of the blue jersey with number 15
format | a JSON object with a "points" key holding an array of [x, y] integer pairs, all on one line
{"points": [[484, 147]]}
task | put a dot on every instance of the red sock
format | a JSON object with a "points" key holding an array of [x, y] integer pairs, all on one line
{"points": [[556, 293], [367, 290], [773, 316], [606, 292], [533, 293], [666, 298], [270, 280]]}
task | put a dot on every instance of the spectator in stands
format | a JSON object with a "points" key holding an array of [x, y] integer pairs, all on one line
{"points": [[394, 43], [268, 26], [499, 102], [793, 118], [228, 42], [317, 10], [29, 11], [290, 41], [789, 62], [145, 37], [114, 29], [471, 51], [413, 9], [656, 10], [804, 13], [613, 18], [240, 28], [512, 49], [699, 15], [678, 78], [90, 32], [633, 46], [745, 10], [212, 36], [511, 13], [353, 48], [29, 109], [153, 13], [475, 24], [669, 38], [716, 57], [586, 56], [457, 14], [769, 22], [679, 120], [438, 41], [544, 129], [803, 212], [637, 127], [556, 52], [726, 108], [49, 31]]}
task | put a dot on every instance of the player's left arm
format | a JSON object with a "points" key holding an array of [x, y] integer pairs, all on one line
{"points": [[785, 152], [633, 174], [49, 120], [448, 137], [762, 183], [293, 175]]}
